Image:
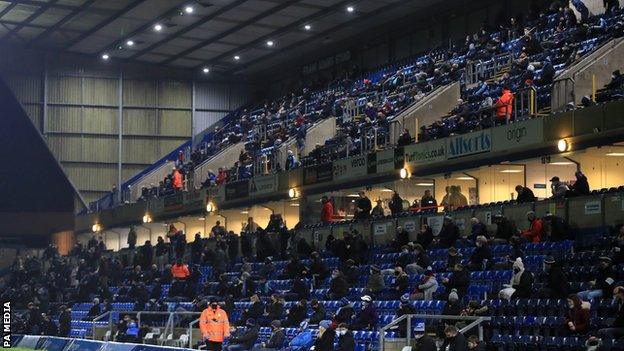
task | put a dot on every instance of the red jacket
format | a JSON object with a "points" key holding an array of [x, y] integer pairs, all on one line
{"points": [[180, 272], [177, 179], [327, 212], [504, 105], [534, 233]]}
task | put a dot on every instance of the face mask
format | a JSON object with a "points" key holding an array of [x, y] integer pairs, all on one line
{"points": [[570, 305], [334, 276], [404, 251], [341, 332]]}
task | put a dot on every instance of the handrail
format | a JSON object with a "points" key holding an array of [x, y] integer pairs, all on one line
{"points": [[163, 336], [95, 320], [476, 321], [190, 330]]}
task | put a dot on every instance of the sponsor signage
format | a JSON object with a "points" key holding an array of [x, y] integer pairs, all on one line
{"points": [[318, 174], [435, 223], [409, 226], [263, 184], [429, 152], [350, 168], [518, 134], [469, 144], [236, 190], [380, 229], [593, 207], [381, 162], [194, 199]]}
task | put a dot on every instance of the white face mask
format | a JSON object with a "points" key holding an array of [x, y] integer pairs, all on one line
{"points": [[341, 332]]}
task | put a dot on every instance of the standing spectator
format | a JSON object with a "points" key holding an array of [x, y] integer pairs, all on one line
{"points": [[147, 254], [132, 238], [378, 210], [362, 206], [214, 326], [425, 236], [558, 188], [535, 231], [396, 204], [64, 321], [607, 335], [401, 237], [428, 202], [505, 229], [291, 161], [474, 344], [217, 231], [577, 317], [524, 194], [454, 340], [556, 283], [327, 212], [178, 183], [580, 187], [449, 232], [447, 198], [161, 252], [504, 106], [556, 228], [405, 308]]}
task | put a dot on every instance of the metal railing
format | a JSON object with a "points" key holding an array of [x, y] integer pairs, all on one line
{"points": [[562, 94], [478, 70], [475, 322]]}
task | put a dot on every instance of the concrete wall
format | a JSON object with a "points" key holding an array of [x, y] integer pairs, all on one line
{"points": [[599, 64], [430, 109], [226, 159], [318, 133]]}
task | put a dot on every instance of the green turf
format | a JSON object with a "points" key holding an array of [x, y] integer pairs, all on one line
{"points": [[20, 349]]}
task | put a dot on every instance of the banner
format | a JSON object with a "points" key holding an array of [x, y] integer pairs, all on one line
{"points": [[380, 162], [194, 199], [236, 190], [318, 174], [350, 168], [469, 144], [424, 153], [263, 184], [518, 134]]}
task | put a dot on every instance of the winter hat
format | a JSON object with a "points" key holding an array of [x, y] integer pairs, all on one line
{"points": [[251, 322], [276, 324], [405, 298], [325, 324], [549, 260], [518, 264], [453, 295], [366, 298]]}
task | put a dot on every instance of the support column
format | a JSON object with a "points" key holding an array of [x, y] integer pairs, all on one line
{"points": [[120, 190]]}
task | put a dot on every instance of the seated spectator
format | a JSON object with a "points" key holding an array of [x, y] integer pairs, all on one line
{"points": [[325, 337], [426, 287], [556, 283], [454, 258], [346, 342], [520, 285], [505, 229], [275, 309], [297, 313], [345, 313], [474, 344], [179, 270], [422, 261], [449, 233], [535, 231], [556, 228], [607, 335], [478, 228], [577, 316], [524, 194], [255, 311], [404, 139], [425, 236], [244, 339], [405, 308], [481, 258], [338, 286], [94, 311], [351, 272], [603, 282], [303, 340], [458, 281], [453, 339], [367, 317], [375, 282], [318, 312], [474, 308], [276, 340]]}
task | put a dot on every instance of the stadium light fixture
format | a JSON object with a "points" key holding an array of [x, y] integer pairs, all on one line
{"points": [[270, 43], [404, 173], [130, 43], [236, 57], [201, 218], [350, 9], [615, 154], [424, 184], [307, 27], [105, 57], [158, 27], [188, 9], [210, 207], [147, 218], [563, 145], [292, 193], [96, 228], [206, 70]]}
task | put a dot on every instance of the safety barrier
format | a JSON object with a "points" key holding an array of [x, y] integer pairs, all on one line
{"points": [[53, 343], [482, 70]]}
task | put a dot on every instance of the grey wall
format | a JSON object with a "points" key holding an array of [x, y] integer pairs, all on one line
{"points": [[75, 104]]}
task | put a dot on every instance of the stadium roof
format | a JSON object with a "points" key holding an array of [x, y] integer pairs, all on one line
{"points": [[196, 33]]}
